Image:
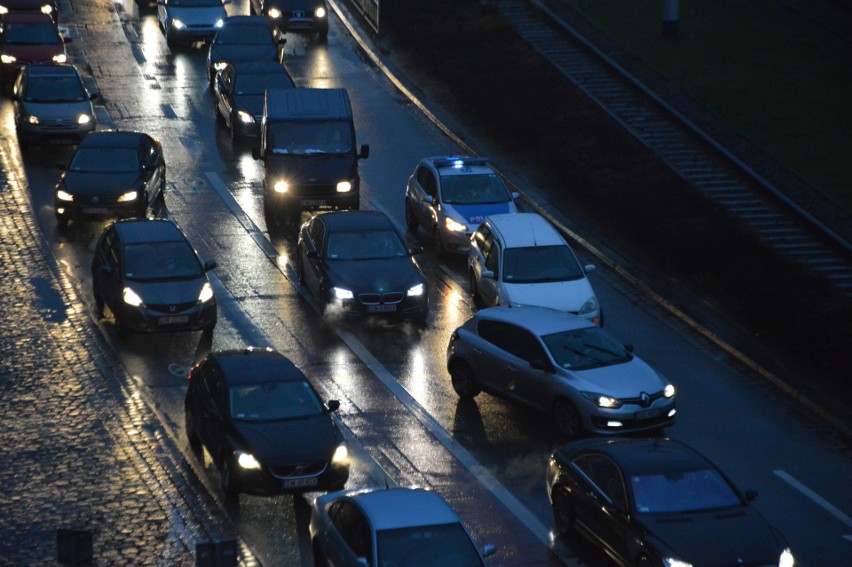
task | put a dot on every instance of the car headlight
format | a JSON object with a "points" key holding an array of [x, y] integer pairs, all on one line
{"points": [[454, 226], [281, 187], [131, 297], [219, 65], [341, 293], [589, 306], [247, 461], [344, 187], [416, 290], [84, 119], [7, 58], [177, 24], [341, 454], [669, 391], [245, 117], [64, 195], [61, 58], [129, 196], [46, 9], [320, 12], [274, 13], [3, 10], [669, 562], [603, 401], [32, 119], [206, 293], [219, 23], [786, 559]]}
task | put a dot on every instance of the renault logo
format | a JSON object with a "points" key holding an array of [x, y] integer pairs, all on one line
{"points": [[299, 469], [95, 200], [172, 308], [644, 399]]}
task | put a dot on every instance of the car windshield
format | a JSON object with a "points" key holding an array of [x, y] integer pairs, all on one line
{"points": [[687, 491], [161, 261], [427, 546], [32, 34], [582, 349], [244, 35], [318, 137], [540, 264], [54, 89], [255, 84], [478, 189], [364, 245], [195, 3], [105, 160], [274, 401]]}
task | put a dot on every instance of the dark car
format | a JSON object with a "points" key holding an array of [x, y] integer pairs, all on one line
{"points": [[295, 15], [27, 38], [239, 92], [658, 502], [264, 425], [52, 104], [151, 279], [356, 263], [49, 7], [112, 174], [243, 38]]}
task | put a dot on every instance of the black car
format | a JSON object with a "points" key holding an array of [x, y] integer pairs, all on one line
{"points": [[263, 424], [151, 279], [657, 502], [112, 174], [295, 15], [356, 263], [243, 38], [239, 91]]}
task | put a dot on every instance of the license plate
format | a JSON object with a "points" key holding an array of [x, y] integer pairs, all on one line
{"points": [[173, 320], [95, 211], [300, 482], [381, 308], [647, 414], [313, 202]]}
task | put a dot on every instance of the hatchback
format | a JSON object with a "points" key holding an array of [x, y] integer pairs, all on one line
{"points": [[151, 279], [190, 20], [27, 38], [239, 91], [295, 15], [243, 38], [560, 364], [49, 7]]}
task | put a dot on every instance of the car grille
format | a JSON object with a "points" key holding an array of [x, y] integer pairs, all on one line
{"points": [[95, 201], [378, 298], [298, 470], [58, 124], [647, 403], [172, 307]]}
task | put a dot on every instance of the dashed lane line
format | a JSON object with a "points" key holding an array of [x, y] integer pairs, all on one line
{"points": [[817, 499]]}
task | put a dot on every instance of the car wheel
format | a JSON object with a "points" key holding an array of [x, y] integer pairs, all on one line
{"points": [[99, 305], [192, 436], [439, 243], [464, 382], [143, 205], [61, 224], [325, 301], [474, 291], [319, 556], [322, 34], [567, 419], [300, 269], [227, 480], [410, 219], [563, 512], [171, 41], [120, 327]]}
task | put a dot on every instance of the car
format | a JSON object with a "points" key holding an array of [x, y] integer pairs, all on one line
{"points": [[151, 279], [390, 526], [295, 15], [521, 259], [49, 7], [239, 91], [52, 104], [658, 502], [27, 38], [190, 20], [112, 174], [263, 425], [450, 195], [356, 263], [243, 38], [560, 364]]}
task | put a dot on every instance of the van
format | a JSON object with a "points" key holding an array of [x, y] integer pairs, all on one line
{"points": [[307, 144]]}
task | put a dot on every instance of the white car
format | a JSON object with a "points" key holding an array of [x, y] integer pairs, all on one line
{"points": [[521, 259], [190, 20]]}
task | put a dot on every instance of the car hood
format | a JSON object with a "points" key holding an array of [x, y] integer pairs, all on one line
{"points": [[34, 53], [168, 292], [472, 215], [374, 276], [99, 184], [237, 53], [564, 296], [253, 104], [201, 15], [25, 5], [68, 111], [285, 442], [312, 169], [625, 380], [740, 537]]}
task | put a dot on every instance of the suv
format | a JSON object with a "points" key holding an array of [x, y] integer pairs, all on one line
{"points": [[449, 196], [294, 15], [521, 259]]}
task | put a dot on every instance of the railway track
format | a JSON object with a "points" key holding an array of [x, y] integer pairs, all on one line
{"points": [[723, 178]]}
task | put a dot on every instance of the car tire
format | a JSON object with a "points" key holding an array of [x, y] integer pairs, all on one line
{"points": [[300, 269], [463, 380], [410, 220], [567, 418], [232, 495], [563, 512], [143, 205], [192, 437], [120, 327], [319, 556], [61, 224], [474, 290], [99, 305], [440, 250]]}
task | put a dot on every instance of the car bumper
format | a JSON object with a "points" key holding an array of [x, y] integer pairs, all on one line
{"points": [[453, 241], [144, 320], [314, 199], [246, 129], [630, 419], [70, 132], [191, 33], [263, 483], [95, 211], [408, 308]]}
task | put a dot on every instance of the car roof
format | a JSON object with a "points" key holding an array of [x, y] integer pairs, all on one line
{"points": [[112, 139], [460, 165], [136, 231], [540, 321], [256, 365], [518, 230], [639, 456], [356, 220], [51, 70], [244, 20], [27, 18], [394, 508], [257, 67]]}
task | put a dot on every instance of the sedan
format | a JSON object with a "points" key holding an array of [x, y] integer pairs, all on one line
{"points": [[190, 20], [112, 174], [52, 103], [295, 15], [239, 91], [560, 364], [658, 502], [263, 425], [151, 279], [49, 7], [356, 263], [27, 38], [390, 526], [243, 38]]}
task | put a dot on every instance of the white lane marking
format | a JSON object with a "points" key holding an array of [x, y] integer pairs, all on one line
{"points": [[822, 502]]}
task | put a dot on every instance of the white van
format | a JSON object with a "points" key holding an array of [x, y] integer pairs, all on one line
{"points": [[521, 259]]}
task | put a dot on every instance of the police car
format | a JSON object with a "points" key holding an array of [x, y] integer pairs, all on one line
{"points": [[449, 196]]}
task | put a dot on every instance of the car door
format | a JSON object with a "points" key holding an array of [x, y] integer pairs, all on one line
{"points": [[153, 167], [163, 15], [350, 538], [211, 412], [224, 93], [426, 209], [489, 288], [106, 274], [313, 268]]}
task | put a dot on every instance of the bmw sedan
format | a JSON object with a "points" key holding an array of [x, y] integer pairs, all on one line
{"points": [[151, 279], [356, 263], [243, 38], [657, 502], [390, 526], [239, 91], [112, 174], [263, 425], [561, 364]]}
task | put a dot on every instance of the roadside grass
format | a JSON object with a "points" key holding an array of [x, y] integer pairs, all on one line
{"points": [[751, 64]]}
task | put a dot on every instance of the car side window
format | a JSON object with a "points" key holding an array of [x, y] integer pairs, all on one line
{"points": [[316, 232], [492, 258], [354, 529], [606, 476], [512, 339], [113, 256], [483, 238], [427, 181]]}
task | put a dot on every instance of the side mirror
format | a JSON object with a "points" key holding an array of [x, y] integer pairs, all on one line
{"points": [[282, 41], [539, 364], [60, 166], [751, 495], [362, 562], [93, 96], [415, 250], [106, 270], [67, 39], [209, 265], [429, 199], [515, 195], [15, 97], [488, 274], [628, 347], [365, 152], [312, 254], [488, 549], [590, 268], [255, 153], [333, 405]]}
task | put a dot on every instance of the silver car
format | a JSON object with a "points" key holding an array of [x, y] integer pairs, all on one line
{"points": [[561, 364]]}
